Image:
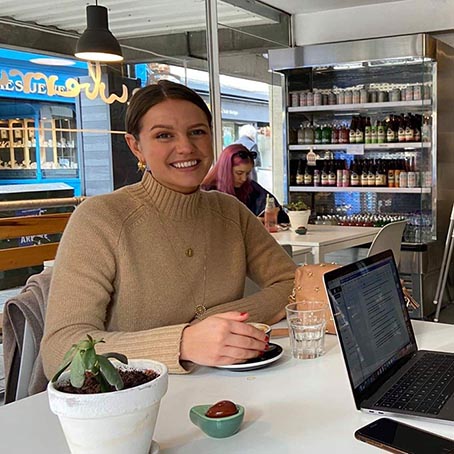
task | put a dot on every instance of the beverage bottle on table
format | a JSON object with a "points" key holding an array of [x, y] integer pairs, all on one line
{"points": [[270, 214]]}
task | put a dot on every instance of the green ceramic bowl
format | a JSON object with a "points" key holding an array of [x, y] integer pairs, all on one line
{"points": [[216, 427]]}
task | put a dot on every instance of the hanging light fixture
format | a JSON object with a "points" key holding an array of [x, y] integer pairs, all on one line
{"points": [[97, 42]]}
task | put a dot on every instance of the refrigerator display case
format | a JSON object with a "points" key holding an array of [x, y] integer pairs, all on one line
{"points": [[368, 129]]}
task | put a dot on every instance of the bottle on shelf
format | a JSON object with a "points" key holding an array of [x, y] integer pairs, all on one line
{"points": [[381, 134], [371, 173], [344, 134], [308, 178], [397, 170], [292, 169], [359, 135], [373, 133], [332, 176], [409, 131], [381, 174], [317, 176], [311, 158], [417, 127], [308, 136], [339, 173], [352, 131], [345, 175], [363, 180], [390, 130], [403, 176], [401, 137], [326, 134], [317, 134], [367, 131], [426, 130], [391, 170], [300, 135], [310, 98], [300, 173], [354, 174], [335, 134], [412, 180], [324, 174]]}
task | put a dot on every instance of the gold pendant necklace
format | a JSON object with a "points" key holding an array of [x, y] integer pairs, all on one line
{"points": [[199, 307]]}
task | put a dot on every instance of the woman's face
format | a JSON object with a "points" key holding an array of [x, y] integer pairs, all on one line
{"points": [[241, 173], [176, 144]]}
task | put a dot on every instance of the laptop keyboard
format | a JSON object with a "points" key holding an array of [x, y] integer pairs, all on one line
{"points": [[424, 388]]}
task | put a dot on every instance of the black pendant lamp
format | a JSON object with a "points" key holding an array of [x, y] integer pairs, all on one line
{"points": [[97, 42]]}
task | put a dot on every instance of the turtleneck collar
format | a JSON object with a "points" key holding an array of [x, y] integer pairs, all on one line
{"points": [[170, 203]]}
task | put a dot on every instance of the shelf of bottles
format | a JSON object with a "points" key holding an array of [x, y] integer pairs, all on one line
{"points": [[363, 107], [362, 140], [393, 131], [359, 189], [355, 149], [413, 233], [359, 175]]}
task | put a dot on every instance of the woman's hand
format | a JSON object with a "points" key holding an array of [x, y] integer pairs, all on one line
{"points": [[222, 339]]}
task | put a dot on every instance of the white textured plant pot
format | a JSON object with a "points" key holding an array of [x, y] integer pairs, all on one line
{"points": [[119, 422], [299, 218]]}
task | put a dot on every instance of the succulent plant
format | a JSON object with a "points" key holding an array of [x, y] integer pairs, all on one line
{"points": [[82, 358], [297, 206]]}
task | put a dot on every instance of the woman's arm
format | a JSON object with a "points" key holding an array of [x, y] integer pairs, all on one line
{"points": [[81, 291], [269, 266]]}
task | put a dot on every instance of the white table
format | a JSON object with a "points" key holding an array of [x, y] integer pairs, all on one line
{"points": [[327, 238], [292, 407]]}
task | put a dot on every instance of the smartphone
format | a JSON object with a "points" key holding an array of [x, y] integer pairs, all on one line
{"points": [[394, 436]]}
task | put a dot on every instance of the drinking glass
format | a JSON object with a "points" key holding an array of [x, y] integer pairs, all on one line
{"points": [[307, 324]]}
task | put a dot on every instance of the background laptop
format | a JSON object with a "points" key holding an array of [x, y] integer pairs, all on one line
{"points": [[388, 374]]}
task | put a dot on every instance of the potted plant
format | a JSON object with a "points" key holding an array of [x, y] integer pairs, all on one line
{"points": [[106, 407], [298, 213]]}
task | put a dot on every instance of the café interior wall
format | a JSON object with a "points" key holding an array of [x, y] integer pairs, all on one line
{"points": [[373, 21]]}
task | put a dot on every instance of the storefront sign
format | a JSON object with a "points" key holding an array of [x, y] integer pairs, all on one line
{"points": [[14, 80]]}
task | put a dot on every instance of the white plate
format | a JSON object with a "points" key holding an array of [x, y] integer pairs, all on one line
{"points": [[269, 357]]}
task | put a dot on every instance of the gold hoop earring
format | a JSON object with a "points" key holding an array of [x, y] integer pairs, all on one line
{"points": [[141, 166]]}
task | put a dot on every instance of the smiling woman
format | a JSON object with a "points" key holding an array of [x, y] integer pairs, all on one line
{"points": [[175, 143], [158, 268]]}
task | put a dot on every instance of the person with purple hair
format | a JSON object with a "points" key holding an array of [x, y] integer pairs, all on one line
{"points": [[232, 175]]}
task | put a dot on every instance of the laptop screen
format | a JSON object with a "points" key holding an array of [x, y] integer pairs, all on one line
{"points": [[371, 318]]}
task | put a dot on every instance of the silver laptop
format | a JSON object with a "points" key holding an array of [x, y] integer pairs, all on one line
{"points": [[388, 374]]}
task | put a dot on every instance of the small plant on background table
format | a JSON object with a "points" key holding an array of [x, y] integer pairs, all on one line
{"points": [[297, 206]]}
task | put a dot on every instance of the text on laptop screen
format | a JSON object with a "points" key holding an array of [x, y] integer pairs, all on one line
{"points": [[371, 322]]}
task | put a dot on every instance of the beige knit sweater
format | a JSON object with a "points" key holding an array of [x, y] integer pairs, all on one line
{"points": [[133, 265]]}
